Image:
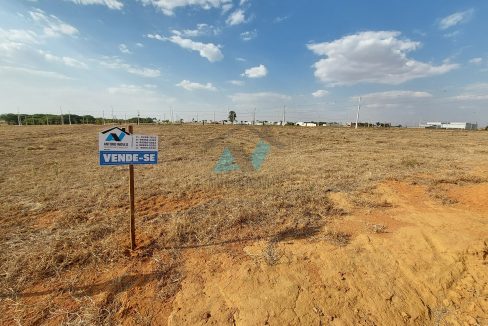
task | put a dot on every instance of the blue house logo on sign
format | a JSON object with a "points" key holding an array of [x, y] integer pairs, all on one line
{"points": [[118, 147], [113, 136]]}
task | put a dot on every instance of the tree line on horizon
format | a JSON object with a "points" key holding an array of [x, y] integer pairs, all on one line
{"points": [[53, 119]]}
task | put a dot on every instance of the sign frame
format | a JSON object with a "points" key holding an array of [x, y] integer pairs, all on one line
{"points": [[116, 146]]}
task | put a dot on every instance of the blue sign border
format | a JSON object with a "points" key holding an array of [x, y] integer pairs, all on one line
{"points": [[142, 159]]}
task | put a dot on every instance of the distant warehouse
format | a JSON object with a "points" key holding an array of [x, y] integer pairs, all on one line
{"points": [[306, 124], [450, 125]]}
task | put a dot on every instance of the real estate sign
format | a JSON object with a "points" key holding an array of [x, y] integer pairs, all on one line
{"points": [[118, 147]]}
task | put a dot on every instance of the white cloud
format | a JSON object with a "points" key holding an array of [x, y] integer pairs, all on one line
{"points": [[236, 82], [139, 45], [260, 98], [111, 4], [456, 19], [18, 36], [116, 63], [201, 29], [452, 35], [471, 97], [168, 6], [7, 49], [68, 61], [394, 96], [156, 37], [477, 87], [320, 93], [13, 40], [473, 92], [390, 103], [241, 59], [132, 90], [374, 57], [236, 18], [226, 7], [124, 49], [209, 51], [39, 95], [33, 72], [280, 19], [190, 86], [249, 35], [476, 61], [255, 72], [53, 26]]}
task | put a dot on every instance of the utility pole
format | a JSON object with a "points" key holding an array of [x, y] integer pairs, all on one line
{"points": [[18, 117], [69, 117], [254, 117], [284, 109], [138, 116], [62, 118], [197, 117], [113, 116], [103, 117], [47, 119], [214, 116], [357, 115]]}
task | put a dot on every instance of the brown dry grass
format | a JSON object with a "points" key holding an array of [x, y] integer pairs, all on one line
{"points": [[62, 214]]}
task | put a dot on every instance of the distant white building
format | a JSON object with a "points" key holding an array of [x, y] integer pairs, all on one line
{"points": [[307, 124], [450, 125], [431, 125]]}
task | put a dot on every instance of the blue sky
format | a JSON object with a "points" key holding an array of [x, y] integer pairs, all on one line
{"points": [[410, 61]]}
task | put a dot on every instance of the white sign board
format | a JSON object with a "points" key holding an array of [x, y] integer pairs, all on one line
{"points": [[118, 147]]}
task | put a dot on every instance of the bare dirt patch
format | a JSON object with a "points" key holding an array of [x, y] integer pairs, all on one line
{"points": [[473, 197], [374, 280]]}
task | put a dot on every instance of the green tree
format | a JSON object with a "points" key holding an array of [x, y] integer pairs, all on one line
{"points": [[232, 116], [9, 118]]}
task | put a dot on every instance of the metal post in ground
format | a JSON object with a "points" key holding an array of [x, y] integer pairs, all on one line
{"points": [[132, 203]]}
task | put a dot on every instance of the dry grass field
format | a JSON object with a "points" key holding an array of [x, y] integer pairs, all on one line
{"points": [[338, 227]]}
